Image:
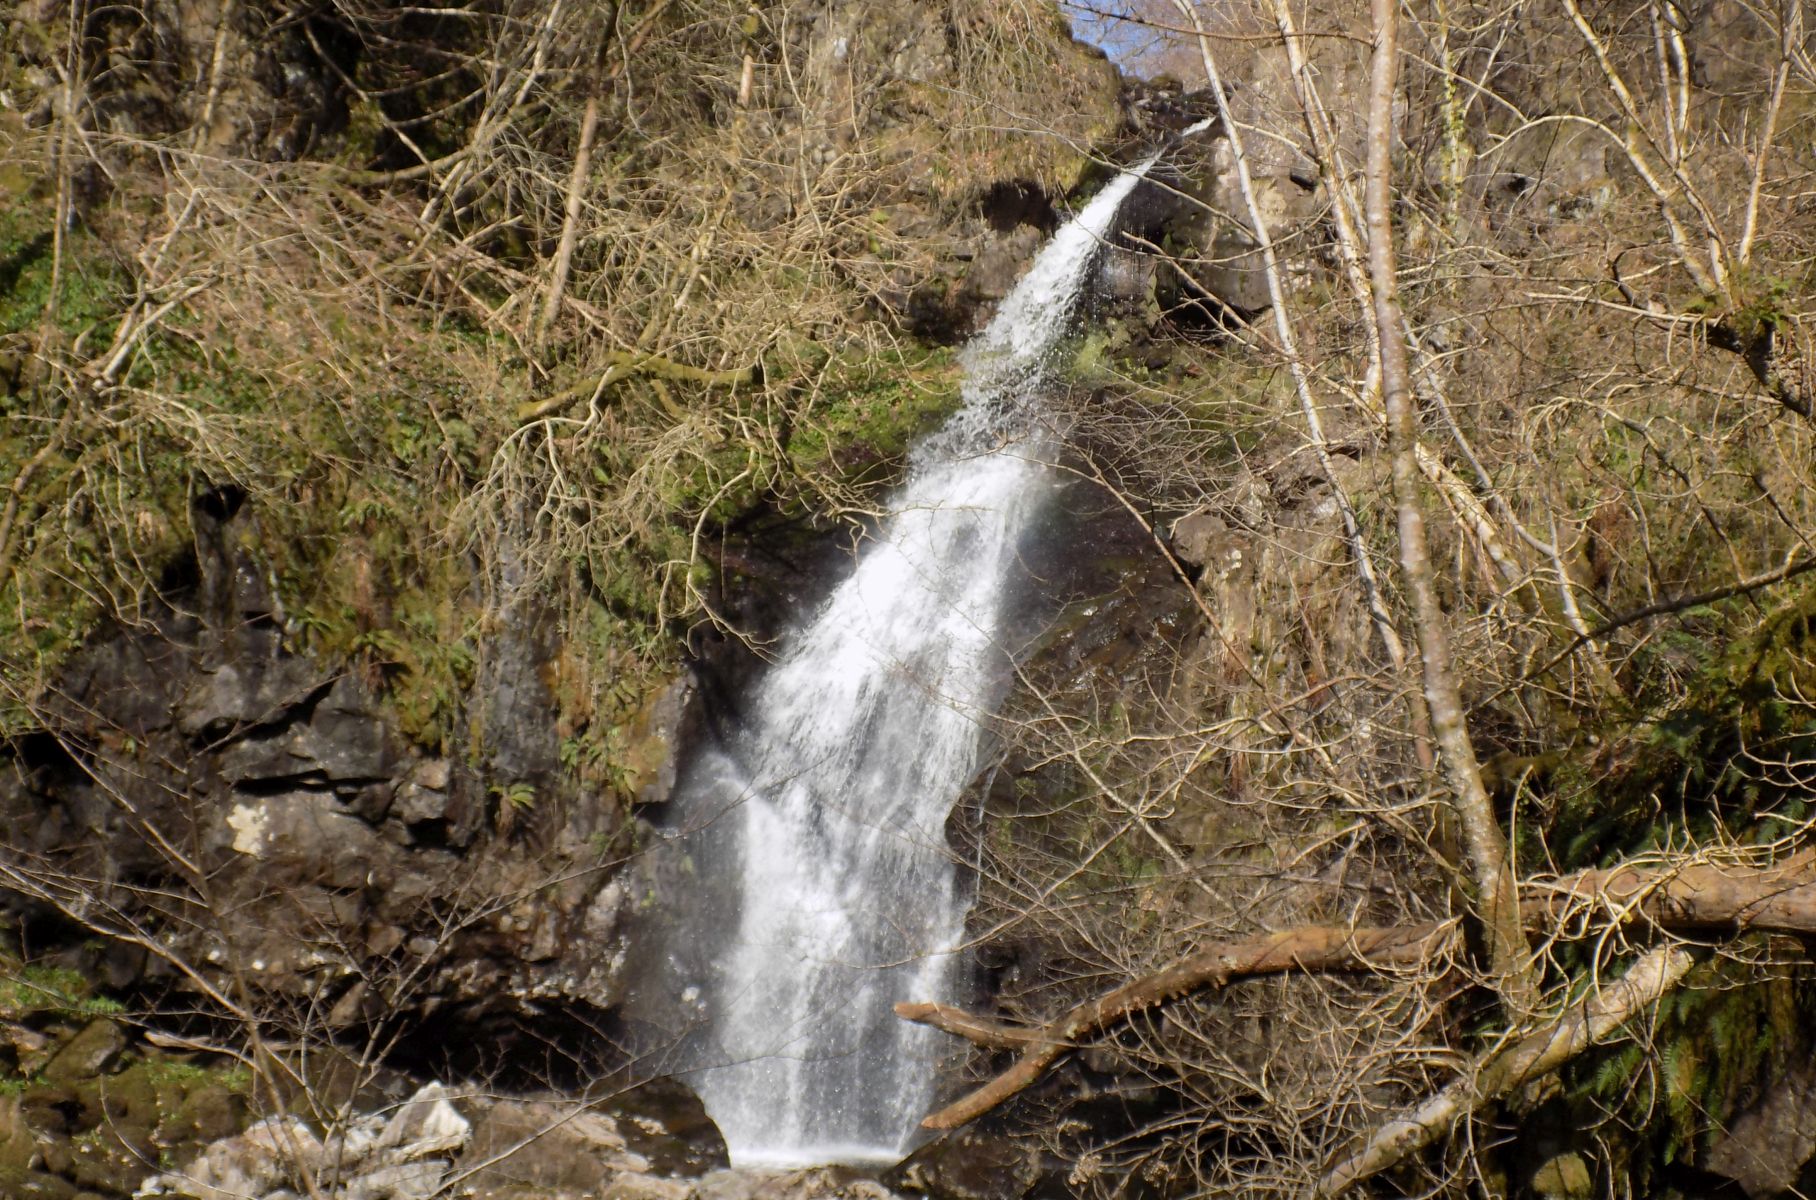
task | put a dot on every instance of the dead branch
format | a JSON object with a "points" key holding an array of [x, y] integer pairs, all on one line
{"points": [[625, 365], [1581, 1026], [1315, 948], [1687, 897]]}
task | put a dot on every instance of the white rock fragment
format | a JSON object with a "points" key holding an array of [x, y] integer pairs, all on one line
{"points": [[426, 1125], [249, 822]]}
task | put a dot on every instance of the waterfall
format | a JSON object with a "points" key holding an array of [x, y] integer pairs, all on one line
{"points": [[826, 813]]}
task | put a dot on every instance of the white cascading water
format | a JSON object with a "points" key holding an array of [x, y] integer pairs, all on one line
{"points": [[832, 801]]}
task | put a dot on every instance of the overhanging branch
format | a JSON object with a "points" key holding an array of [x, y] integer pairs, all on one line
{"points": [[1695, 897]]}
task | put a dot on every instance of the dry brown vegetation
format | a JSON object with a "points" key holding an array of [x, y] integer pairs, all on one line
{"points": [[1593, 408]]}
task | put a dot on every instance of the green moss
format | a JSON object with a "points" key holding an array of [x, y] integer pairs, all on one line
{"points": [[351, 496], [89, 284], [36, 989], [868, 410], [187, 1075]]}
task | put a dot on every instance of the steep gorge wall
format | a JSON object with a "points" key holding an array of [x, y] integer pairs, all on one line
{"points": [[303, 729]]}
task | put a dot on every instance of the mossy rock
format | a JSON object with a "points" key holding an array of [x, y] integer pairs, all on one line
{"points": [[1565, 1177], [49, 1108], [19, 1184], [102, 1111], [111, 1160], [208, 1114], [95, 1048], [18, 1149], [129, 1102]]}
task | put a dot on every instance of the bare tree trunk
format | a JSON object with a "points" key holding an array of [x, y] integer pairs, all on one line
{"points": [[1490, 867], [576, 188], [1308, 404]]}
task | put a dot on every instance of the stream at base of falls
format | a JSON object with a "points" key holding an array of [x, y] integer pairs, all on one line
{"points": [[820, 825]]}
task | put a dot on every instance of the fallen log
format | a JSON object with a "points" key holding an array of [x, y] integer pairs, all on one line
{"points": [[1314, 948], [1580, 1026], [1696, 897]]}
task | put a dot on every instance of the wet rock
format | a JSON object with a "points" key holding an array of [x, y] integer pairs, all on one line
{"points": [[1160, 106], [1766, 1148], [654, 737], [969, 1165], [998, 264], [547, 1146], [1192, 207], [1127, 279], [664, 1123], [812, 1183]]}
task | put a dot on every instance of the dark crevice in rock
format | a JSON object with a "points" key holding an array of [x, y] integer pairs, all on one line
{"points": [[221, 502], [434, 834], [44, 751], [342, 787], [179, 578], [1013, 202], [565, 1046]]}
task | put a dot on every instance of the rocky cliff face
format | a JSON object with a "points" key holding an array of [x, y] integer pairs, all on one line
{"points": [[246, 816], [278, 758], [208, 738]]}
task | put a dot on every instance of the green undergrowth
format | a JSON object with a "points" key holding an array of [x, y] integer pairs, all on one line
{"points": [[347, 500], [1669, 1089], [865, 411], [1732, 757], [1729, 761], [832, 433], [355, 451]]}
